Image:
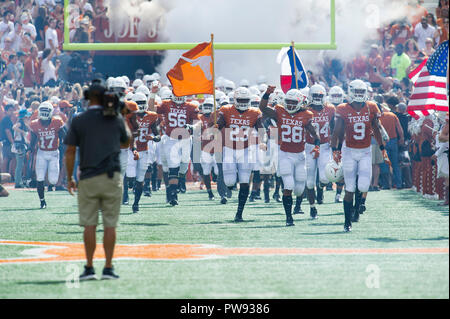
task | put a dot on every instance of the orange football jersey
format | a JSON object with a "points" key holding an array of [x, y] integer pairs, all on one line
{"points": [[358, 125], [144, 131], [177, 116], [291, 129], [321, 122], [239, 126], [207, 137], [48, 138]]}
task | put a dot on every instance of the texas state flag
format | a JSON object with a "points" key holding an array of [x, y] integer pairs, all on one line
{"points": [[288, 70]]}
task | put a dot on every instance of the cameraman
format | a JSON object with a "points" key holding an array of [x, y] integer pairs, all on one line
{"points": [[99, 138]]}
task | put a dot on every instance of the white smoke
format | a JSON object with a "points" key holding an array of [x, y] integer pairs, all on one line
{"points": [[262, 21]]}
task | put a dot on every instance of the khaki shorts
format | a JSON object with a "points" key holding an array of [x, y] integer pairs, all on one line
{"points": [[100, 193], [377, 155]]}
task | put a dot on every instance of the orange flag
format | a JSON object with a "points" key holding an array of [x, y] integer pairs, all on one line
{"points": [[193, 74]]}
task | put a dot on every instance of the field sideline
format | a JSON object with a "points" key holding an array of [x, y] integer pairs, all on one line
{"points": [[399, 249]]}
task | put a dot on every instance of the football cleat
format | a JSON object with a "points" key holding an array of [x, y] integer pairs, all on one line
{"points": [[347, 228], [251, 199], [313, 213], [88, 274], [238, 218], [173, 202], [289, 222], [267, 200], [147, 193], [211, 196], [337, 198], [319, 196], [277, 198], [223, 201], [362, 209], [43, 204], [135, 208], [298, 210], [108, 273]]}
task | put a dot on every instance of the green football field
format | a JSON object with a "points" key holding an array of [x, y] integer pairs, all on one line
{"points": [[399, 249]]}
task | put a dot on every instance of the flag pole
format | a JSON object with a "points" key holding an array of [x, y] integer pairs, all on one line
{"points": [[214, 79], [295, 66]]}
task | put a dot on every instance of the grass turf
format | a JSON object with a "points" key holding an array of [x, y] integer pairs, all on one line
{"points": [[394, 219]]}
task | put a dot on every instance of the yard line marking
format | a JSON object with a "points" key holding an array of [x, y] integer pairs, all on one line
{"points": [[61, 252]]}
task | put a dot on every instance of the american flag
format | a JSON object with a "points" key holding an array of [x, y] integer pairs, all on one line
{"points": [[430, 84]]}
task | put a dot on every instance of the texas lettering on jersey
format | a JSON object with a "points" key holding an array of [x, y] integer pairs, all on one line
{"points": [[48, 138], [358, 125], [291, 129], [321, 123], [239, 126]]}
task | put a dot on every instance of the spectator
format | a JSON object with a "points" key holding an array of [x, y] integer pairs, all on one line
{"points": [[3, 71], [51, 36], [375, 66], [7, 49], [395, 132], [20, 146], [429, 50], [442, 30], [50, 71], [422, 31], [359, 66], [6, 137], [415, 13], [412, 50], [443, 5], [16, 37], [32, 68], [400, 33], [399, 63], [27, 26], [20, 65], [13, 72], [6, 27], [40, 23]]}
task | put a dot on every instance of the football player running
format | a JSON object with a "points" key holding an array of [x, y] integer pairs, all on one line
{"points": [[46, 131], [147, 123], [356, 120], [293, 121], [238, 120], [336, 97], [179, 116], [323, 123]]}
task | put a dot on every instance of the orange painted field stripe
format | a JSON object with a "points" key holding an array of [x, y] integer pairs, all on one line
{"points": [[57, 252]]}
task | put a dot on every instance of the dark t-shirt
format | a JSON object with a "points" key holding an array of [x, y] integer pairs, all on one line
{"points": [[98, 139], [5, 124]]}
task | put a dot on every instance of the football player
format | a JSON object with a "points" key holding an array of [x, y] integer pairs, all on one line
{"points": [[147, 123], [356, 120], [238, 120], [336, 97], [47, 132], [207, 158], [179, 116], [323, 122], [293, 121]]}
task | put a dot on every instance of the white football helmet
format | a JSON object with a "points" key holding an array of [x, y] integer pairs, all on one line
{"points": [[224, 101], [262, 88], [178, 99], [254, 101], [231, 97], [208, 105], [118, 85], [317, 94], [156, 76], [334, 171], [129, 96], [336, 95], [137, 83], [126, 79], [141, 101], [166, 94], [143, 89], [109, 82], [147, 79], [219, 95], [244, 83], [229, 86], [254, 90], [45, 111], [294, 101], [278, 97], [357, 91], [242, 98]]}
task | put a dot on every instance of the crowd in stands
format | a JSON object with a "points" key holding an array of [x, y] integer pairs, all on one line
{"points": [[34, 68]]}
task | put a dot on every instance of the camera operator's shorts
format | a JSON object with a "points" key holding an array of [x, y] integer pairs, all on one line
{"points": [[100, 193]]}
